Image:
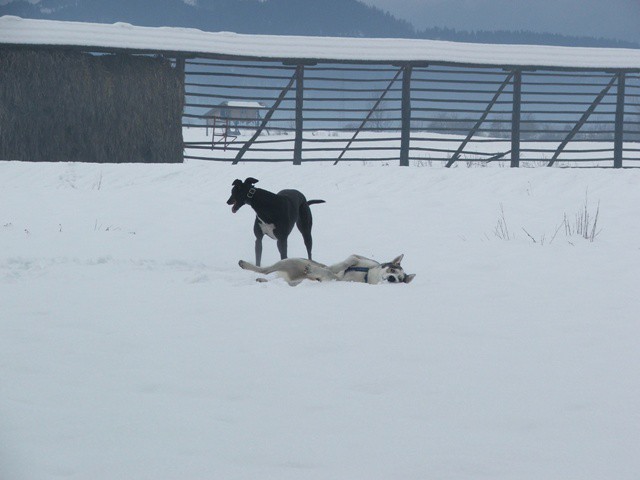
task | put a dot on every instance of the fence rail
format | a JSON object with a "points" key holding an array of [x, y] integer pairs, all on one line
{"points": [[250, 111]]}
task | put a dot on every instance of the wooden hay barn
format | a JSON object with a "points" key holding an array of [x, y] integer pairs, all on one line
{"points": [[117, 93], [67, 105]]}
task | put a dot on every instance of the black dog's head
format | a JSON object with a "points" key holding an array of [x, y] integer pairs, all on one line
{"points": [[240, 192]]}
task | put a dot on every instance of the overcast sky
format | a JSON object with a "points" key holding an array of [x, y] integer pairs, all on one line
{"points": [[618, 19]]}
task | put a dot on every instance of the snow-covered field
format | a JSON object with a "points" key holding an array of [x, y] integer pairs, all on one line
{"points": [[133, 347]]}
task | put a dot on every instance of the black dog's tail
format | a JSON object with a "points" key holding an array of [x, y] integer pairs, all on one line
{"points": [[311, 202]]}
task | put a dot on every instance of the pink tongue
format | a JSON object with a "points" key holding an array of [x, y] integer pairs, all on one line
{"points": [[234, 208]]}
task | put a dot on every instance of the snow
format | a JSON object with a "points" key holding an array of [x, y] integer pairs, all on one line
{"points": [[233, 103], [134, 347], [18, 31]]}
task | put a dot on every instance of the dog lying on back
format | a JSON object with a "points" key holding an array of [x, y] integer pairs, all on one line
{"points": [[354, 269], [276, 214]]}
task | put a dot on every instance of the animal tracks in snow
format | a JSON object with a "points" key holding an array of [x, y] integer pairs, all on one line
{"points": [[17, 269]]}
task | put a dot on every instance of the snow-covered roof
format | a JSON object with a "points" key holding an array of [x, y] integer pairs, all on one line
{"points": [[240, 104], [18, 31]]}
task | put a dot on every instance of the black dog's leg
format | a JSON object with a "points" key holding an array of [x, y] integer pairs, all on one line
{"points": [[259, 234], [282, 247], [304, 224]]}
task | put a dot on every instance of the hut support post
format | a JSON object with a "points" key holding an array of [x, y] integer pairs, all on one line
{"points": [[297, 146], [515, 118], [405, 134], [483, 117], [581, 122], [373, 109], [180, 68], [266, 119], [619, 128]]}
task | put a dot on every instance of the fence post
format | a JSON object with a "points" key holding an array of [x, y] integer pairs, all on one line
{"points": [[515, 118], [297, 146], [405, 136], [619, 131]]}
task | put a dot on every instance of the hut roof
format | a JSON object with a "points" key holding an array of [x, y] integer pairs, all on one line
{"points": [[237, 105], [241, 104]]}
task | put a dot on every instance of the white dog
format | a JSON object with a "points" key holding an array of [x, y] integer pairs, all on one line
{"points": [[353, 269]]}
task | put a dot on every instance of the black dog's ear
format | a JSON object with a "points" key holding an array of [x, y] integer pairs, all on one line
{"points": [[250, 181], [236, 183]]}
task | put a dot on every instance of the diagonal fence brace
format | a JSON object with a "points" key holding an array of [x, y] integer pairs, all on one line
{"points": [[482, 118], [582, 121], [266, 119], [368, 117]]}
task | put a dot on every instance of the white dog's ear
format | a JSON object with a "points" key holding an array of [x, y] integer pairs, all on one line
{"points": [[397, 260], [408, 278]]}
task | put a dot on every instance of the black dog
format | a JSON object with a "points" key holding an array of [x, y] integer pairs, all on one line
{"points": [[275, 214]]}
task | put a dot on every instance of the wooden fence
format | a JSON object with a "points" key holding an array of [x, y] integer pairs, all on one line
{"points": [[413, 112]]}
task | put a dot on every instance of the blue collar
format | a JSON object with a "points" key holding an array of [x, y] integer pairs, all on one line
{"points": [[360, 269]]}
